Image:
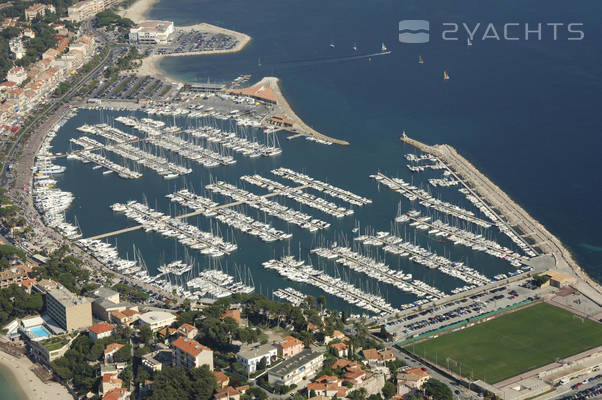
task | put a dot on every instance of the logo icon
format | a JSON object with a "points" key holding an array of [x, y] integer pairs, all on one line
{"points": [[414, 31]]}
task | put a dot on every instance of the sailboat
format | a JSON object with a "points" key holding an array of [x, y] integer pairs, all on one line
{"points": [[446, 76], [420, 60]]}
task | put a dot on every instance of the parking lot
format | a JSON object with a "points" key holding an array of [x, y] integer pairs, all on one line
{"points": [[589, 388], [460, 310], [130, 87], [192, 41]]}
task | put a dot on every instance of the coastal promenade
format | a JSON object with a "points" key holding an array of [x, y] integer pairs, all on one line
{"points": [[513, 215], [300, 126]]}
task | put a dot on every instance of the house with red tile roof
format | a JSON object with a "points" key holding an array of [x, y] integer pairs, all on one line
{"points": [[222, 379], [110, 351], [100, 331], [110, 382], [187, 331], [116, 394], [340, 349], [191, 354], [227, 393], [289, 347], [328, 386]]}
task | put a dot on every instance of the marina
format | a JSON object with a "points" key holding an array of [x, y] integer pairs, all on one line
{"points": [[230, 217], [289, 294], [298, 195], [396, 245], [216, 284], [453, 213], [458, 236], [320, 186], [379, 271], [272, 208], [155, 221], [298, 271], [413, 193]]}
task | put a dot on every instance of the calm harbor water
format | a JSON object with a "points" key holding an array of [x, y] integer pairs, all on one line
{"points": [[525, 112], [8, 389], [347, 167]]}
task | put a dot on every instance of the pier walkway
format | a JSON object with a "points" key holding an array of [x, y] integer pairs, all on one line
{"points": [[511, 214], [187, 215]]}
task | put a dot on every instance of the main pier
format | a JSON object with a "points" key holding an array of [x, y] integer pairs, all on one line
{"points": [[187, 215], [510, 214]]}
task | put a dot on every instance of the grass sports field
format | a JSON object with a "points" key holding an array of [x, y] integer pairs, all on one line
{"points": [[512, 344]]}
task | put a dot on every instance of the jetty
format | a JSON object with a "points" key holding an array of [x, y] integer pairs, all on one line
{"points": [[267, 90], [510, 214]]}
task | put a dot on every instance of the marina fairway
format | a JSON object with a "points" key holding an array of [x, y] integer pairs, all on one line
{"points": [[512, 344]]}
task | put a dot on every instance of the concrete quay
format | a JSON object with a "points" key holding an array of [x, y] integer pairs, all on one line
{"points": [[512, 214]]}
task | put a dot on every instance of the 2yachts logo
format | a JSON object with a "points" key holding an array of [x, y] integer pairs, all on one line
{"points": [[418, 31], [414, 31]]}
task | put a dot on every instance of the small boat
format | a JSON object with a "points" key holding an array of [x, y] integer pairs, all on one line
{"points": [[446, 76], [332, 45], [355, 47], [420, 60]]}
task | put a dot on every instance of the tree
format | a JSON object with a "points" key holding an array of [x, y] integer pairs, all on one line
{"points": [[359, 394], [262, 364], [146, 334], [177, 383], [437, 390], [540, 279], [389, 390], [322, 302], [124, 354]]}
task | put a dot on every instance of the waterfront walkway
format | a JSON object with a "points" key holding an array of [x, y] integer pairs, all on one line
{"points": [[190, 214]]}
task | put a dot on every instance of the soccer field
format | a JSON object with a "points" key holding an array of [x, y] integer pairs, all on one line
{"points": [[512, 344]]}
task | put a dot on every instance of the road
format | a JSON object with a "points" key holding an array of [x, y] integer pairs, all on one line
{"points": [[463, 393], [54, 105]]}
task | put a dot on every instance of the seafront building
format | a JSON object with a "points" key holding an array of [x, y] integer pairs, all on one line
{"points": [[38, 9], [249, 357], [70, 312], [151, 32], [87, 9], [156, 319], [189, 353], [293, 370]]}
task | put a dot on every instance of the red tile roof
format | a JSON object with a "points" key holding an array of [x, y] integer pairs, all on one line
{"points": [[190, 346], [101, 328], [290, 341], [114, 394], [112, 347]]}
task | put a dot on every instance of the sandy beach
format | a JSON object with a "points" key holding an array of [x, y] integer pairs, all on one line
{"points": [[150, 64], [138, 11], [29, 384]]}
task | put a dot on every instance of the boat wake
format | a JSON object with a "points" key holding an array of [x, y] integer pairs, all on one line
{"points": [[328, 60]]}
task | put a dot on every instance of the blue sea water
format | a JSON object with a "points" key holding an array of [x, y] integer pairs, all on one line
{"points": [[527, 112]]}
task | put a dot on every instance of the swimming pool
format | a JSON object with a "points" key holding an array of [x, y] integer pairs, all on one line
{"points": [[40, 332]]}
